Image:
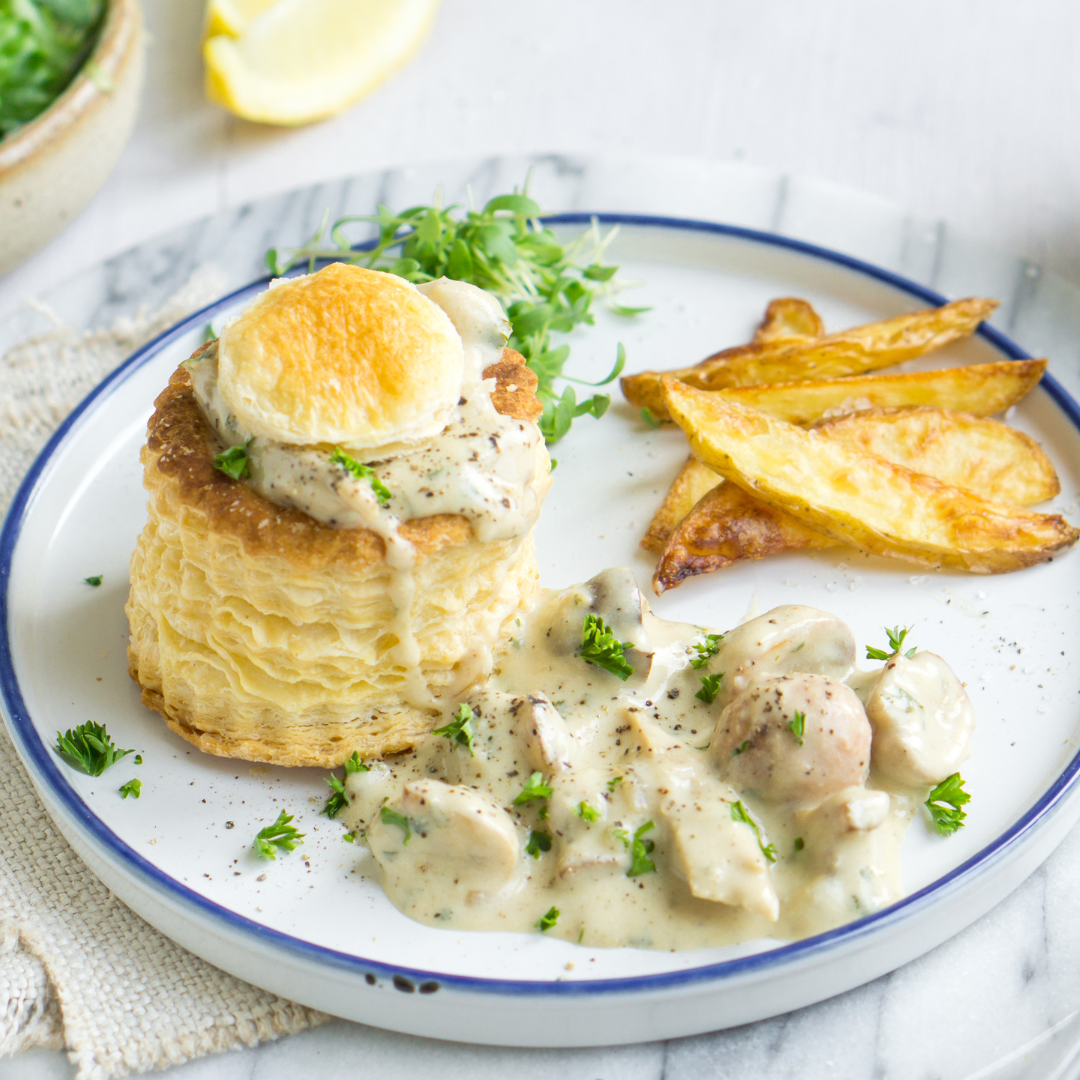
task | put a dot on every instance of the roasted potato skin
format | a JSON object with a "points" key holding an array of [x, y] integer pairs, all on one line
{"points": [[686, 491], [984, 456], [853, 352], [857, 498], [789, 319], [979, 389]]}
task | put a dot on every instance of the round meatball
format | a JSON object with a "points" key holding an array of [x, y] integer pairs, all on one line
{"points": [[793, 738], [922, 720], [788, 639]]}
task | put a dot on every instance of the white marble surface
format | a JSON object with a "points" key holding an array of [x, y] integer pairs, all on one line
{"points": [[960, 111]]}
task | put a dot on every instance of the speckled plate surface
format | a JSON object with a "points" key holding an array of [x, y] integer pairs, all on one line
{"points": [[314, 926]]}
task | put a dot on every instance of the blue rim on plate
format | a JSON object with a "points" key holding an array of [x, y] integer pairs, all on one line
{"points": [[33, 749]]}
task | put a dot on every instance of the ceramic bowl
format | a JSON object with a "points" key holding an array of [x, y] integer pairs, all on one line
{"points": [[51, 168]]}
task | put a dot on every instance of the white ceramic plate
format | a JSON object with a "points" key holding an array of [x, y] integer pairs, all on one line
{"points": [[314, 926]]}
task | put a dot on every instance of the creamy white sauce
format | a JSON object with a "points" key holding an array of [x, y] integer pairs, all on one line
{"points": [[619, 755]]}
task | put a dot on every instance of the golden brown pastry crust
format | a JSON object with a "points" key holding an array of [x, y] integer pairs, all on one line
{"points": [[256, 631]]}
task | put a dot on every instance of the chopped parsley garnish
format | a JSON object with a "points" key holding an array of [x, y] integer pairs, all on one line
{"points": [[710, 687], [538, 841], [587, 812], [741, 748], [548, 920], [739, 813], [614, 783], [950, 817], [647, 416], [706, 649], [599, 646], [339, 797], [639, 849], [138, 759], [896, 643], [234, 461], [279, 835], [95, 580], [460, 729], [89, 748], [534, 788], [799, 843], [392, 817], [132, 787], [798, 726], [362, 472], [546, 287]]}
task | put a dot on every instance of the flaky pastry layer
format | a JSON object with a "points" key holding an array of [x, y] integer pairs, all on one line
{"points": [[260, 633]]}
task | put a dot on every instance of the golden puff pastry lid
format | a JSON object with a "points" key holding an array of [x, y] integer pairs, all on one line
{"points": [[347, 355]]}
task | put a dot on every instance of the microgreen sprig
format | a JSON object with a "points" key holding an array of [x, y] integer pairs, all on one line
{"points": [[281, 835], [896, 643], [949, 817], [546, 287], [599, 646], [89, 748], [460, 729]]}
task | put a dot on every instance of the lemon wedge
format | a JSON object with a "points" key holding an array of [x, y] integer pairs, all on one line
{"points": [[231, 17], [294, 61]]}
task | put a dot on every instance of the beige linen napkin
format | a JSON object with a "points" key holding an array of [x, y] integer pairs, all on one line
{"points": [[78, 970]]}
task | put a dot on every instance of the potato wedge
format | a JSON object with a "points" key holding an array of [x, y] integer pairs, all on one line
{"points": [[984, 456], [787, 319], [861, 349], [686, 490], [857, 498], [981, 389], [728, 525]]}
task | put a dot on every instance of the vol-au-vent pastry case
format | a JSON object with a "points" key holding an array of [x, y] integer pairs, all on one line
{"points": [[342, 491]]}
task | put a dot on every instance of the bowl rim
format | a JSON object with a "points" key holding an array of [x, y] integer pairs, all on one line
{"points": [[116, 46]]}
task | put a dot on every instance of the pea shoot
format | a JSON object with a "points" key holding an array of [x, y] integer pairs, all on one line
{"points": [[896, 643], [546, 287]]}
